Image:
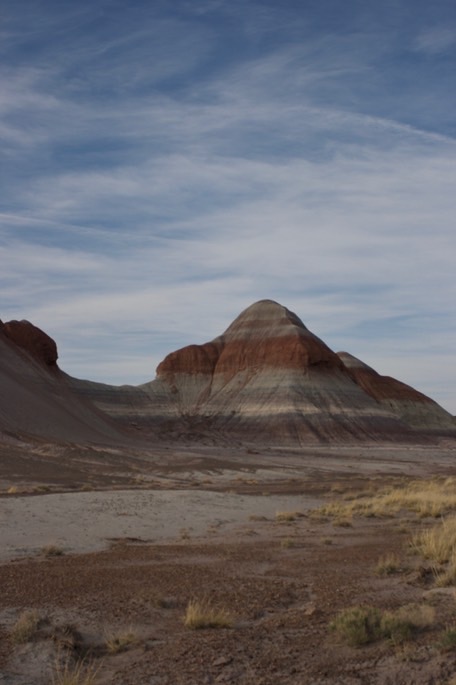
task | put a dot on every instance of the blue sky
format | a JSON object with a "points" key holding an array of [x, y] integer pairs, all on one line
{"points": [[164, 164]]}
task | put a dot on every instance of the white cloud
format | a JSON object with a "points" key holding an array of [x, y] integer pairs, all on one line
{"points": [[436, 40], [165, 211]]}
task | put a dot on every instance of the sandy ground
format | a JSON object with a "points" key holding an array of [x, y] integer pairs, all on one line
{"points": [[88, 521], [203, 526]]}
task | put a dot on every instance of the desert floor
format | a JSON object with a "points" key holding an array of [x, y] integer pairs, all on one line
{"points": [[106, 555]]}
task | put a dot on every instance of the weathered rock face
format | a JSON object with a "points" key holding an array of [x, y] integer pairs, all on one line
{"points": [[408, 404], [266, 335], [36, 401], [266, 380], [33, 340]]}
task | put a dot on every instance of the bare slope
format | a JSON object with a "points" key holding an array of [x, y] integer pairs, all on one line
{"points": [[269, 379], [266, 380], [408, 404], [35, 400]]}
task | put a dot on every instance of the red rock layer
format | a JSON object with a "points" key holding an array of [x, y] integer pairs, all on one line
{"points": [[377, 386], [36, 399], [412, 407], [266, 335], [266, 380], [33, 340]]}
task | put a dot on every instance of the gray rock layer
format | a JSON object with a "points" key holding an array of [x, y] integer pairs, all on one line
{"points": [[266, 380]]}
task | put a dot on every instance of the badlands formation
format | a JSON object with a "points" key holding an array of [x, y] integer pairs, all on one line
{"points": [[124, 507], [267, 380]]}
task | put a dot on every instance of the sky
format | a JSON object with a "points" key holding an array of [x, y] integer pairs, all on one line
{"points": [[166, 163]]}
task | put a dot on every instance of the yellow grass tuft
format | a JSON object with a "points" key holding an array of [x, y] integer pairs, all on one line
{"points": [[202, 614], [120, 642], [387, 565], [286, 516], [25, 627], [357, 626], [437, 543], [52, 551], [426, 498], [446, 577], [288, 543], [342, 522], [447, 642], [80, 673]]}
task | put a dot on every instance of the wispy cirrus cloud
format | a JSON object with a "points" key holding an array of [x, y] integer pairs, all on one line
{"points": [[437, 39], [166, 169]]}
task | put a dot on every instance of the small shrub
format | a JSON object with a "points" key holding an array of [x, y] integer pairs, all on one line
{"points": [[119, 642], [425, 498], [420, 616], [41, 488], [79, 673], [202, 614], [447, 576], [447, 641], [358, 625], [25, 627], [13, 490], [342, 522], [396, 628], [67, 636], [387, 565], [437, 543], [361, 625], [288, 543], [52, 551], [286, 516]]}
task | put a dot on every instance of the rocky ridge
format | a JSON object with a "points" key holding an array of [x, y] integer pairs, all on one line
{"points": [[266, 380]]}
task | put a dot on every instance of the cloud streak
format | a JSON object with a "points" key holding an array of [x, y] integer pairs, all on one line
{"points": [[158, 180]]}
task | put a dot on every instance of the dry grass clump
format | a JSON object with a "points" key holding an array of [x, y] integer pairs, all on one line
{"points": [[422, 616], [288, 543], [426, 498], [25, 627], [69, 673], [86, 487], [447, 576], [437, 543], [387, 565], [342, 522], [286, 516], [13, 490], [52, 551], [359, 626], [203, 614], [120, 642], [42, 488], [447, 641]]}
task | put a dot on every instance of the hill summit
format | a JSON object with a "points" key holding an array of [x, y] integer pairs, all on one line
{"points": [[266, 380]]}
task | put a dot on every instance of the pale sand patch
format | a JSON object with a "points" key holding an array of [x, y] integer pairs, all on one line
{"points": [[86, 521]]}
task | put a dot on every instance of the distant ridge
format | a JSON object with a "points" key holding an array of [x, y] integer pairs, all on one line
{"points": [[266, 380]]}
